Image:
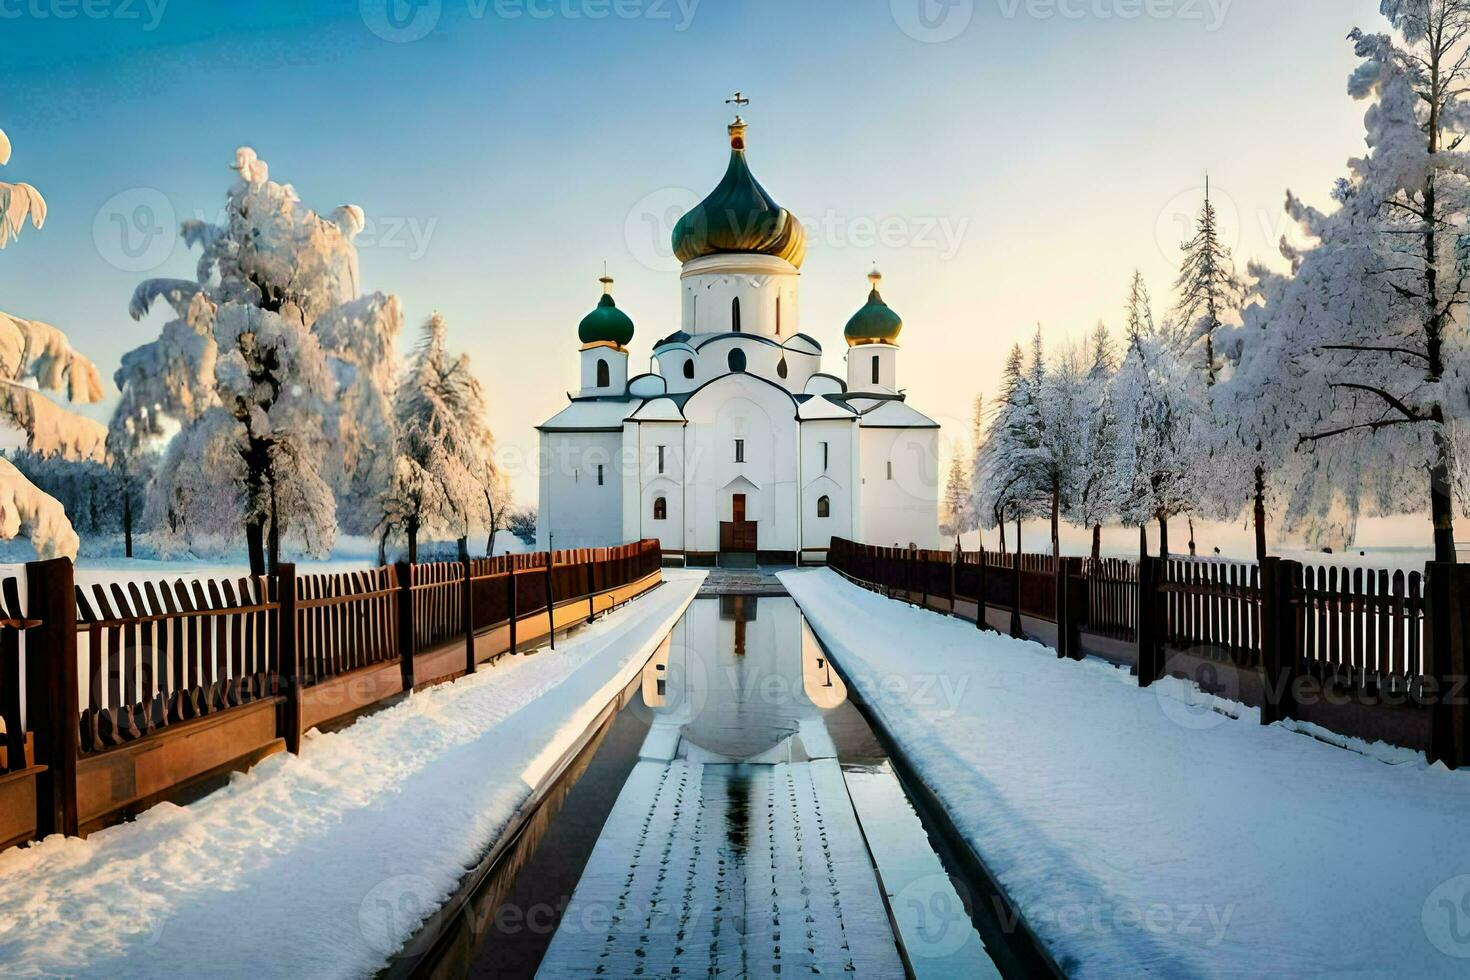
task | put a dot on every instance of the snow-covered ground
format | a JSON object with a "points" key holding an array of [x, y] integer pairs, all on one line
{"points": [[1141, 832], [322, 865]]}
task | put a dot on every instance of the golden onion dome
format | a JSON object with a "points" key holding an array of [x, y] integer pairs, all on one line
{"points": [[875, 323], [739, 217]]}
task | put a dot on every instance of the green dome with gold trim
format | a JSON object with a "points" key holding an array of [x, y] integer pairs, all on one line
{"points": [[875, 323], [607, 324], [739, 217]]}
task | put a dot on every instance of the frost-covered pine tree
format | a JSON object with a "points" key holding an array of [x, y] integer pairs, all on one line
{"points": [[1208, 289], [1250, 436], [36, 356], [1011, 480], [1156, 399], [1370, 332], [441, 457], [277, 370], [1060, 400], [1093, 501], [955, 507]]}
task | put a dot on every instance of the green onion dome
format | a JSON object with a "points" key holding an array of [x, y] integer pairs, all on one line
{"points": [[739, 217], [874, 323], [607, 324]]}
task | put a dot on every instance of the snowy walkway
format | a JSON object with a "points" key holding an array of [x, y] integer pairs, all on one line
{"points": [[322, 865], [709, 870], [1140, 834]]}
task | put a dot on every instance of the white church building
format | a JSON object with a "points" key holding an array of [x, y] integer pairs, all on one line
{"points": [[739, 443]]}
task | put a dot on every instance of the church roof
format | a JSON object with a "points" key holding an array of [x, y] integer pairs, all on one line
{"points": [[590, 415], [893, 413], [739, 217]]}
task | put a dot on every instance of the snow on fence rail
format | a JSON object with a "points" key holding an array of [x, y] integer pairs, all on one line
{"points": [[1363, 652], [115, 698]]}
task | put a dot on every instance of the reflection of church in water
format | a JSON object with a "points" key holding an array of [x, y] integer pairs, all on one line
{"points": [[737, 441], [733, 847]]}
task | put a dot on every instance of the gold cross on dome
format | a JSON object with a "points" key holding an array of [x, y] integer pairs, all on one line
{"points": [[739, 101]]}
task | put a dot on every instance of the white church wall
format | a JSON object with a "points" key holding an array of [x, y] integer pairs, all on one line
{"points": [[898, 502], [617, 370], [655, 481], [831, 474], [763, 417], [761, 283], [576, 510], [860, 368]]}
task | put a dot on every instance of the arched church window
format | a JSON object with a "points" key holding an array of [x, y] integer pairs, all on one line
{"points": [[661, 508], [604, 376], [875, 369], [689, 369], [737, 361], [735, 314], [781, 369], [824, 506]]}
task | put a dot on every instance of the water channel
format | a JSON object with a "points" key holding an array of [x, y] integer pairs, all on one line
{"points": [[735, 816]]}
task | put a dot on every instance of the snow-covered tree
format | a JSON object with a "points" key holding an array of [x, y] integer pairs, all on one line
{"points": [[955, 507], [36, 356], [1011, 482], [1094, 500], [1370, 332], [1061, 394], [1155, 396], [277, 372], [522, 524], [441, 457], [1209, 291]]}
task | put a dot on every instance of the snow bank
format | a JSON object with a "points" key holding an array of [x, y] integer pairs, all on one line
{"points": [[324, 864], [1141, 833]]}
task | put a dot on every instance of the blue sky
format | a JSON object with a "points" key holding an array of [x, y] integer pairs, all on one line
{"points": [[1018, 171]]}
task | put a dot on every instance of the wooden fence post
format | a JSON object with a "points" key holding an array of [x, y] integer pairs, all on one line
{"points": [[1445, 625], [406, 631], [591, 563], [1074, 609], [1016, 630], [288, 656], [551, 597], [982, 621], [467, 600], [1150, 667], [514, 610], [954, 562], [52, 692], [1059, 605], [1280, 650]]}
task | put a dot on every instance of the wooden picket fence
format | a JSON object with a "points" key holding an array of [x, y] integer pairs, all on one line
{"points": [[1372, 639], [116, 697]]}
